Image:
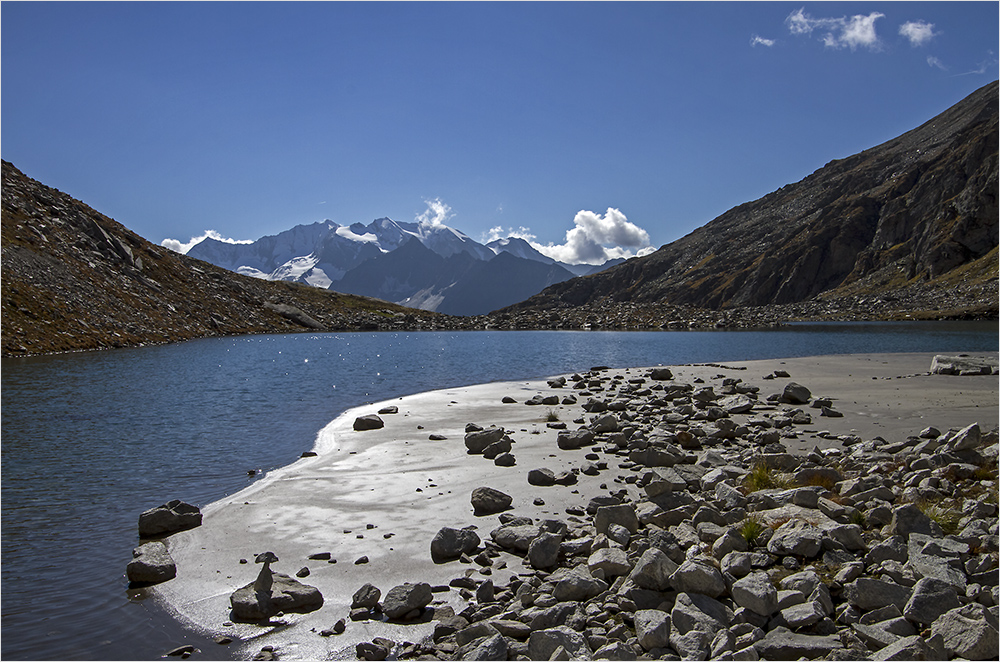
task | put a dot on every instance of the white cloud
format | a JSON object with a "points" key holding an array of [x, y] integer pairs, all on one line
{"points": [[761, 41], [854, 32], [934, 62], [498, 232], [595, 239], [918, 32], [183, 247], [435, 215]]}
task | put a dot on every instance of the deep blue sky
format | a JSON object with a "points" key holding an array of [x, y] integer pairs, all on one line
{"points": [[248, 118]]}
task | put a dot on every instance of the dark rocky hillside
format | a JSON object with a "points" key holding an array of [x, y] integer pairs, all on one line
{"points": [[910, 225], [74, 279]]}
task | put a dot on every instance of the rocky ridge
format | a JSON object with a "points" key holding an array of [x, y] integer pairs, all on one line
{"points": [[74, 279], [914, 218], [711, 539]]}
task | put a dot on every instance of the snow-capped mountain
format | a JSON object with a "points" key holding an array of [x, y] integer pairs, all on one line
{"points": [[422, 265]]}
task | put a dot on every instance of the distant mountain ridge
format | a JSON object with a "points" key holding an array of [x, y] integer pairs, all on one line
{"points": [[369, 260], [907, 213]]}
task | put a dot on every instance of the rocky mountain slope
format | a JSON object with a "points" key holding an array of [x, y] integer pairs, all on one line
{"points": [[74, 279], [420, 265], [915, 218]]}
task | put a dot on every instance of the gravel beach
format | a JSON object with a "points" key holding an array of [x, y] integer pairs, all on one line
{"points": [[365, 508]]}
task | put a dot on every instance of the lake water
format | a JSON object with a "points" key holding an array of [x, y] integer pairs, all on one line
{"points": [[90, 440]]}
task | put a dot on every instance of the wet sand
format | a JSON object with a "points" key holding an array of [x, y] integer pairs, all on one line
{"points": [[385, 493]]}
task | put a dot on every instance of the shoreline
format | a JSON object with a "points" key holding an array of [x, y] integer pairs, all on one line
{"points": [[385, 493]]}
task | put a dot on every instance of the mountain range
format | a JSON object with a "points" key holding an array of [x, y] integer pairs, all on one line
{"points": [[429, 266], [907, 229]]}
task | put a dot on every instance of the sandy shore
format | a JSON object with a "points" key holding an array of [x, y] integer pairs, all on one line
{"points": [[385, 493]]}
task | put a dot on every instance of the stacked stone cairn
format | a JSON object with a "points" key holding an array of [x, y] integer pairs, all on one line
{"points": [[717, 543]]}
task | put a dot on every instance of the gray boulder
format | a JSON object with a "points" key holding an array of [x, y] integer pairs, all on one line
{"points": [[756, 593], [694, 611], [285, 595], [406, 598], [795, 394], [543, 643], [576, 585], [488, 501], [796, 537], [969, 631], [478, 440], [783, 644], [449, 543], [611, 561], [151, 564], [368, 422], [169, 518], [867, 594], [930, 599], [652, 628], [572, 439], [699, 575], [366, 597], [541, 477], [623, 515], [516, 537], [653, 570], [543, 552]]}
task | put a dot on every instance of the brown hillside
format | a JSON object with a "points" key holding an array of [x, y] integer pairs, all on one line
{"points": [[904, 214]]}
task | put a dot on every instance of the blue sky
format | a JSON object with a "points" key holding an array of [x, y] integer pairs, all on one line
{"points": [[249, 118]]}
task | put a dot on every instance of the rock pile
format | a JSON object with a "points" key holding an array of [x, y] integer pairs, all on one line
{"points": [[721, 544]]}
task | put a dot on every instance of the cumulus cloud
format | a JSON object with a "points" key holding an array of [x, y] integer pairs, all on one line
{"points": [[435, 215], [757, 40], [597, 238], [498, 232], [853, 32], [918, 32], [179, 246]]}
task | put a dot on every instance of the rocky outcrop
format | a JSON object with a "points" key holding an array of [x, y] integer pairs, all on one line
{"points": [[171, 517], [904, 213]]}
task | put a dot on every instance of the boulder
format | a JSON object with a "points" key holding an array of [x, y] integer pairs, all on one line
{"points": [[543, 552], [516, 537], [572, 439], [796, 537], [576, 585], [151, 564], [756, 593], [652, 628], [406, 598], [286, 595], [930, 599], [541, 477], [623, 515], [366, 597], [543, 643], [169, 518], [488, 501], [969, 631], [611, 561], [699, 575], [653, 570], [449, 543], [368, 422], [477, 441], [783, 644], [795, 394]]}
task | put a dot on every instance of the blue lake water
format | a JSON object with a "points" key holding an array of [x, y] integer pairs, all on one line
{"points": [[90, 440]]}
